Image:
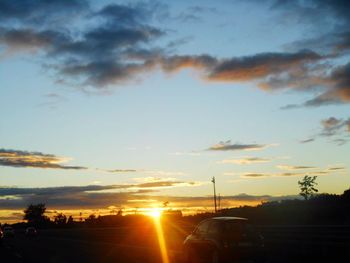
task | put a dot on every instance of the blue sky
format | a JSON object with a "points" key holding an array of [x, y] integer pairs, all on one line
{"points": [[149, 100]]}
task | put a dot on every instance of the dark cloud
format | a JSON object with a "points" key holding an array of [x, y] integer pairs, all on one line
{"points": [[90, 196], [339, 168], [333, 126], [307, 140], [94, 197], [113, 49], [125, 15], [337, 88], [175, 63], [336, 129], [327, 13], [228, 146], [333, 20], [14, 158], [37, 11], [24, 39], [120, 45], [255, 175], [260, 65], [336, 44]]}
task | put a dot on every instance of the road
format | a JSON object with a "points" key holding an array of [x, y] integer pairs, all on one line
{"points": [[140, 244], [86, 245]]}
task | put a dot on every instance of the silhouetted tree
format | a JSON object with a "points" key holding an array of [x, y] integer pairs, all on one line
{"points": [[60, 219], [70, 220], [91, 219], [34, 214], [120, 212], [307, 186]]}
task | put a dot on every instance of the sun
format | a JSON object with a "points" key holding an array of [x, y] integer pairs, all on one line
{"points": [[155, 213]]}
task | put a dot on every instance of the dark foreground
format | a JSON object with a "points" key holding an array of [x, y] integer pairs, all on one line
{"points": [[140, 244]]}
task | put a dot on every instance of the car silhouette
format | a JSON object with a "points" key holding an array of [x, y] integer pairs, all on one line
{"points": [[224, 239], [8, 231], [31, 232]]}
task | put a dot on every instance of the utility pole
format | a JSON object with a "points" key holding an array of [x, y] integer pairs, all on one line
{"points": [[219, 205], [213, 181]]}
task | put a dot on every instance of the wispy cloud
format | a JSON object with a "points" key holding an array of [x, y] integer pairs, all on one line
{"points": [[15, 158], [336, 168], [228, 146], [287, 174], [122, 171], [336, 129], [333, 126], [294, 171], [295, 167], [307, 140], [246, 160]]}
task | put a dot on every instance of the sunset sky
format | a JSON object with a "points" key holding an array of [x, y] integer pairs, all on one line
{"points": [[127, 104]]}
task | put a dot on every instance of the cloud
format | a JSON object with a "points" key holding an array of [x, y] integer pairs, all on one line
{"points": [[89, 196], [120, 44], [295, 167], [336, 44], [294, 171], [15, 158], [228, 146], [287, 174], [260, 65], [333, 128], [158, 184], [336, 11], [27, 39], [38, 12], [246, 160], [336, 168], [337, 89], [99, 55], [307, 140], [122, 171]]}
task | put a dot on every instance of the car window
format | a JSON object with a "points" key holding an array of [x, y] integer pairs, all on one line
{"points": [[214, 228], [233, 229], [202, 228]]}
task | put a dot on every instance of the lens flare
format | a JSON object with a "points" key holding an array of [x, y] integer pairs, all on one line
{"points": [[155, 213]]}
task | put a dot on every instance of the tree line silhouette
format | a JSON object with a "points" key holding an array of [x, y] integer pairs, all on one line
{"points": [[320, 209]]}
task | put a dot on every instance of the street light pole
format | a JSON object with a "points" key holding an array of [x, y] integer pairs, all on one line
{"points": [[213, 181]]}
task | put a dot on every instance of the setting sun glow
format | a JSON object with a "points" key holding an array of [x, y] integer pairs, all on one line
{"points": [[156, 213]]}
